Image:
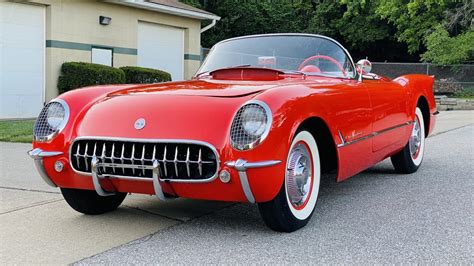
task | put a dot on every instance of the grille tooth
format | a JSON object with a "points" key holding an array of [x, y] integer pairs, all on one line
{"points": [[199, 163], [85, 156], [132, 158], [143, 159], [185, 161], [102, 157], [112, 157], [164, 162], [78, 153]]}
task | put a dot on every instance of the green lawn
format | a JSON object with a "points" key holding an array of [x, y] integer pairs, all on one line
{"points": [[17, 130]]}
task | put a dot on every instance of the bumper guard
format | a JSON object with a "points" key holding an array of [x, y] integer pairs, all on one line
{"points": [[241, 166], [37, 155]]}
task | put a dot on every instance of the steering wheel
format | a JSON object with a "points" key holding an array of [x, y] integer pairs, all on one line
{"points": [[330, 59]]}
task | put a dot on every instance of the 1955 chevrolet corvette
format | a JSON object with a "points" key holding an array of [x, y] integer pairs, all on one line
{"points": [[259, 123]]}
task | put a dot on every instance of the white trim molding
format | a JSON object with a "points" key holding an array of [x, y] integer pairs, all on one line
{"points": [[165, 9]]}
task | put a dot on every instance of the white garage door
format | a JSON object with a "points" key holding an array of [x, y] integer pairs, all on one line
{"points": [[161, 47], [22, 49]]}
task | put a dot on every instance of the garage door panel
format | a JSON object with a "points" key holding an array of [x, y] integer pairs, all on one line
{"points": [[22, 49], [21, 35], [30, 16], [21, 84], [11, 62], [29, 103], [161, 47]]}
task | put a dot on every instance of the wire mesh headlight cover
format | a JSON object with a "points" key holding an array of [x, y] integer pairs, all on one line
{"points": [[52, 119], [251, 125]]}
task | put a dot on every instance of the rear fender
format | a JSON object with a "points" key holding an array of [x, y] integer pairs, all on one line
{"points": [[420, 86]]}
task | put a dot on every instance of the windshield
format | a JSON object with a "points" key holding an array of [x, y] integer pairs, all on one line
{"points": [[312, 55]]}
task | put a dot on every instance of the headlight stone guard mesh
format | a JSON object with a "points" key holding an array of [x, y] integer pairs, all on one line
{"points": [[240, 139], [42, 130]]}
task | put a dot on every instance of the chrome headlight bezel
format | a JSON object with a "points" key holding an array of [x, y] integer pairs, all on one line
{"points": [[240, 138], [42, 130]]}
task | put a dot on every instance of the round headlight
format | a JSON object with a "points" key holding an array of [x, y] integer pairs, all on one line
{"points": [[251, 125], [55, 116], [52, 119], [254, 120]]}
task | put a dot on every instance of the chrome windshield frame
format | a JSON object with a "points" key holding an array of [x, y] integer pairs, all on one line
{"points": [[199, 72]]}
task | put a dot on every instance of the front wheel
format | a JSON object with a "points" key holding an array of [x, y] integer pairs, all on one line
{"points": [[89, 202], [409, 159], [294, 205]]}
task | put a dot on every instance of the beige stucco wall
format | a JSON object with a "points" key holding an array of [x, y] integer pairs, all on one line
{"points": [[77, 22]]}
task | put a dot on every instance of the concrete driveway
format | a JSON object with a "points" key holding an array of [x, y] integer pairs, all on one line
{"points": [[376, 217]]}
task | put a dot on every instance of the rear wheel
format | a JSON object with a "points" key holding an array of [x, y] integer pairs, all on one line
{"points": [[409, 159], [89, 202], [294, 205]]}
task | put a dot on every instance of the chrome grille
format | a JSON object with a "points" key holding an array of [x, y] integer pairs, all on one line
{"points": [[238, 134], [177, 160]]}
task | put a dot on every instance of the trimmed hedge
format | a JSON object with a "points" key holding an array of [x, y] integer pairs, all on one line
{"points": [[79, 74], [140, 75]]}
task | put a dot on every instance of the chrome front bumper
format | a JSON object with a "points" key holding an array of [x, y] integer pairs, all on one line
{"points": [[38, 155], [240, 165]]}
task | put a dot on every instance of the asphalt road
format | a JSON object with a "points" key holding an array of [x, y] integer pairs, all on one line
{"points": [[377, 216]]}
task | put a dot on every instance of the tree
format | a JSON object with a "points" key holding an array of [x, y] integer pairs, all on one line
{"points": [[384, 30], [413, 19], [446, 50]]}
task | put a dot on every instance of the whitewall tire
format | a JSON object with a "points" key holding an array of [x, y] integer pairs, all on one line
{"points": [[409, 159], [294, 205]]}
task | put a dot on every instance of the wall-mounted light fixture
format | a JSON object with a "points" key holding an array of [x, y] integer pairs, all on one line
{"points": [[105, 20]]}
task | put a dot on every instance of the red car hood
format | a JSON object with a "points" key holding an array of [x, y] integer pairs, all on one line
{"points": [[167, 115], [175, 110], [199, 88]]}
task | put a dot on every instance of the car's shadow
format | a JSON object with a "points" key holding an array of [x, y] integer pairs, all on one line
{"points": [[245, 218]]}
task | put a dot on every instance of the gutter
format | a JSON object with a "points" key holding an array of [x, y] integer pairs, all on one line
{"points": [[213, 23], [167, 9]]}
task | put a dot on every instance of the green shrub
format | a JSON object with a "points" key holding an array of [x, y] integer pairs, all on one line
{"points": [[79, 74], [140, 75]]}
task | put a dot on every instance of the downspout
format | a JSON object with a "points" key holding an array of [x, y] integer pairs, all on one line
{"points": [[213, 23]]}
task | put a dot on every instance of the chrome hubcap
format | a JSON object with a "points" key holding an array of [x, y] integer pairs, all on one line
{"points": [[415, 139], [299, 175]]}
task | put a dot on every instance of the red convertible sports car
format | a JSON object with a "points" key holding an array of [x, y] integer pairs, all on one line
{"points": [[259, 123]]}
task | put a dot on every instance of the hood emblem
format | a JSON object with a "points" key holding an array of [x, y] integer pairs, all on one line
{"points": [[140, 123]]}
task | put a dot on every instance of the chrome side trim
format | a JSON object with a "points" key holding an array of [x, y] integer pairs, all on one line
{"points": [[37, 155], [344, 143], [178, 141], [241, 166]]}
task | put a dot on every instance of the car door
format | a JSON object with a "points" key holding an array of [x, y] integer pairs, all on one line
{"points": [[390, 117], [352, 115]]}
